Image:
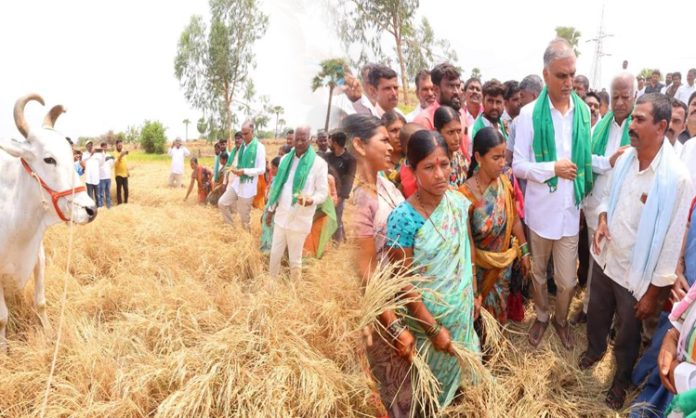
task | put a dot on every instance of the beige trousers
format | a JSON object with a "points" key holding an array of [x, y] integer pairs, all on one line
{"points": [[565, 255], [230, 203]]}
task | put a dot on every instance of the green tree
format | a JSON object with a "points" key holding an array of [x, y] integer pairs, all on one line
{"points": [[277, 111], [423, 50], [152, 137], [647, 73], [201, 126], [330, 72], [571, 35], [186, 123], [213, 60], [132, 134], [476, 73]]}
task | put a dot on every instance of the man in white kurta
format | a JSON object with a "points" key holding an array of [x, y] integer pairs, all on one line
{"points": [[623, 100], [292, 222], [553, 217], [178, 153], [243, 182], [625, 284]]}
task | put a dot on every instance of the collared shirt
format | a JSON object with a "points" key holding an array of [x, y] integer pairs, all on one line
{"points": [[650, 89], [120, 167], [178, 155], [426, 118], [602, 167], [640, 92], [364, 106], [688, 157], [106, 167], [678, 147], [685, 136], [506, 118], [417, 111], [93, 163], [684, 92], [379, 112], [249, 188], [551, 215], [296, 217], [615, 257]]}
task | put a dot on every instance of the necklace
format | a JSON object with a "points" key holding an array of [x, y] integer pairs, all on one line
{"points": [[429, 215]]}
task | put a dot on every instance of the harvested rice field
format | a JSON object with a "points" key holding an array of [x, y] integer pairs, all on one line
{"points": [[170, 313]]}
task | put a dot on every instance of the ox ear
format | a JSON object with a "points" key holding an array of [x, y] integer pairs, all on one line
{"points": [[17, 149]]}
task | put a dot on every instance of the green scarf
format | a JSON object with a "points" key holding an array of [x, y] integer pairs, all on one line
{"points": [[301, 173], [329, 227], [600, 136], [231, 154], [544, 142], [480, 124], [247, 158], [216, 168]]}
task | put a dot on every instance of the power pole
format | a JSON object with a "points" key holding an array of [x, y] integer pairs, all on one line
{"points": [[596, 80]]}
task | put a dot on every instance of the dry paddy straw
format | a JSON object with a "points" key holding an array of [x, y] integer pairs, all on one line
{"points": [[171, 314]]}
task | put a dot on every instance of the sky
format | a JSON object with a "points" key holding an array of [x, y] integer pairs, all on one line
{"points": [[111, 63]]}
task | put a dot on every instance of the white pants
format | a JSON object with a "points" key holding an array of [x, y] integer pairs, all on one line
{"points": [[230, 203], [294, 241], [175, 180]]}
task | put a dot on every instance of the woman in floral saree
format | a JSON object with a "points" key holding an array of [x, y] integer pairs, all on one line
{"points": [[429, 232], [495, 225]]}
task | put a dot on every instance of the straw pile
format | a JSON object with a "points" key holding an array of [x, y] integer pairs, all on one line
{"points": [[170, 313]]}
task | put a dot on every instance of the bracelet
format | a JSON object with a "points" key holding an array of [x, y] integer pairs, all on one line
{"points": [[396, 328], [432, 330], [524, 249]]}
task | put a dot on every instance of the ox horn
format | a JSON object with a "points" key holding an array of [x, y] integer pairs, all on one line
{"points": [[20, 121], [52, 115]]}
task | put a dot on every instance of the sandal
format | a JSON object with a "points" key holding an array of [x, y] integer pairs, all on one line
{"points": [[536, 332]]}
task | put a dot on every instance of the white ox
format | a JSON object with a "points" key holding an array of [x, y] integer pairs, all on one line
{"points": [[39, 187]]}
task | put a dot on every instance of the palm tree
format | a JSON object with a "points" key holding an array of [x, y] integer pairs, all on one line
{"points": [[571, 35], [332, 70], [278, 110], [186, 123]]}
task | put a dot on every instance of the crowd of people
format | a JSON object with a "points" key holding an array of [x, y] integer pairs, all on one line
{"points": [[97, 165], [484, 188]]}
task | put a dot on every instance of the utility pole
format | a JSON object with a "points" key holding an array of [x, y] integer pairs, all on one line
{"points": [[596, 80]]}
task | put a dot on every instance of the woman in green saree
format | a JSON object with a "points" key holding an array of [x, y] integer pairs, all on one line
{"points": [[429, 232]]}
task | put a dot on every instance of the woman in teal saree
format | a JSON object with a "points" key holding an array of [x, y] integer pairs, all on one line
{"points": [[429, 233]]}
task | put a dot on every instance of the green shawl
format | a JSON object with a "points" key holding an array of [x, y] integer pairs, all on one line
{"points": [[479, 124], [301, 173], [246, 158], [544, 142], [329, 227], [231, 154], [600, 136]]}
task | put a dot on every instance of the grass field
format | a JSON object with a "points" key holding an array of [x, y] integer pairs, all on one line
{"points": [[170, 313]]}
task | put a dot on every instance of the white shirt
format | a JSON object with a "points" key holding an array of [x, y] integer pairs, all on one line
{"points": [[602, 167], [250, 188], [640, 92], [178, 155], [549, 215], [106, 167], [615, 257], [684, 92], [678, 147], [341, 107], [93, 162], [688, 157], [417, 111], [296, 217]]}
